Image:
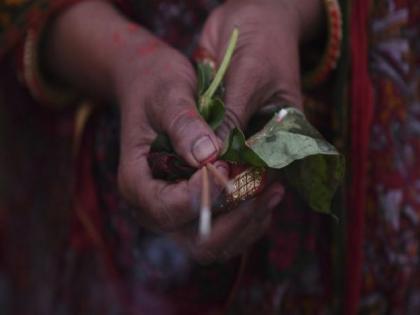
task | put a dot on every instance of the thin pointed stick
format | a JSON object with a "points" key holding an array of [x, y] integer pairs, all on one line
{"points": [[205, 211], [223, 180]]}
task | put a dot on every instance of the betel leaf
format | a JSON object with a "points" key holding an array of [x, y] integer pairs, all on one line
{"points": [[215, 114], [205, 76], [311, 164], [316, 179], [237, 151]]}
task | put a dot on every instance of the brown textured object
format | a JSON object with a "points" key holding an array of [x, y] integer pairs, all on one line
{"points": [[246, 185]]}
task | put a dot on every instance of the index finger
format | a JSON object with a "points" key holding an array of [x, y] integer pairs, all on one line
{"points": [[163, 205]]}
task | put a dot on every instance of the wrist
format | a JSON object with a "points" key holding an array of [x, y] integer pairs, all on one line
{"points": [[83, 45]]}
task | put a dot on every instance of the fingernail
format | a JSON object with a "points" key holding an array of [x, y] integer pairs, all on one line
{"points": [[203, 149], [222, 168]]}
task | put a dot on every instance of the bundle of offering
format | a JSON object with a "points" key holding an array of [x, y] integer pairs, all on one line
{"points": [[287, 142]]}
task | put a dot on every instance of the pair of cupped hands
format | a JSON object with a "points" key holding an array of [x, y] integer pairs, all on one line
{"points": [[156, 91]]}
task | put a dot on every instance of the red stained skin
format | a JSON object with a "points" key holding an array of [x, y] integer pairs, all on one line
{"points": [[118, 39], [211, 159], [148, 48], [191, 113]]}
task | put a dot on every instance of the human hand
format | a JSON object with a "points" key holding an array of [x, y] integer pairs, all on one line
{"points": [[264, 70], [116, 60], [156, 96], [265, 67]]}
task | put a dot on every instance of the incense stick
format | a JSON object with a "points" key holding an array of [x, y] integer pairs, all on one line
{"points": [[205, 214], [223, 180]]}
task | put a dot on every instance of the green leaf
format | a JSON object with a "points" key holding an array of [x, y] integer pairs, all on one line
{"points": [[215, 113], [316, 179], [237, 151], [311, 165], [291, 138], [205, 76]]}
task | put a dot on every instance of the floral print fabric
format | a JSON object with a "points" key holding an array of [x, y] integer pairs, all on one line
{"points": [[391, 271]]}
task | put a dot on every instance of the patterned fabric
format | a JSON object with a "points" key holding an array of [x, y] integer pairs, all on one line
{"points": [[392, 242]]}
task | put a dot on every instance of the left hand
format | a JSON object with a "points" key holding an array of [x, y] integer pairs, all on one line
{"points": [[265, 66], [264, 70]]}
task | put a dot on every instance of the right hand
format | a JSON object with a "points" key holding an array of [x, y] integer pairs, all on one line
{"points": [[112, 59], [156, 92]]}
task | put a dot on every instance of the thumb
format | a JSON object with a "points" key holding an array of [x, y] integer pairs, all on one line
{"points": [[190, 135]]}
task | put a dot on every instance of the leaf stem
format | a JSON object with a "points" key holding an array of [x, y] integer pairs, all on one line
{"points": [[208, 94]]}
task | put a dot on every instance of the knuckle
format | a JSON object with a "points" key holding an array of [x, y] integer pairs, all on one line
{"points": [[186, 126], [183, 119]]}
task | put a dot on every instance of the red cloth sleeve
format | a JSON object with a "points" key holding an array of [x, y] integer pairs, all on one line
{"points": [[21, 25], [16, 17]]}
